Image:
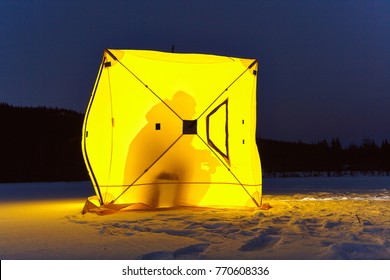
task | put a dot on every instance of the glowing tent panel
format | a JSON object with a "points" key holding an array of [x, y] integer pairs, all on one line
{"points": [[166, 130]]}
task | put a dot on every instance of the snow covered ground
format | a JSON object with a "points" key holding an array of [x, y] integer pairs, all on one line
{"points": [[310, 218]]}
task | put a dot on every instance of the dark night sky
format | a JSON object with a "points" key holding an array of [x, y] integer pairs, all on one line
{"points": [[324, 65]]}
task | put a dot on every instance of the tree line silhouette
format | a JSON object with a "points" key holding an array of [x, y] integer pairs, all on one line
{"points": [[40, 144], [290, 159], [44, 144]]}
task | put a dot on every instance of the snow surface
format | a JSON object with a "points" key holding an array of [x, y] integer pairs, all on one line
{"points": [[339, 223]]}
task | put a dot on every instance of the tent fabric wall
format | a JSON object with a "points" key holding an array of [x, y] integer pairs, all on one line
{"points": [[170, 129]]}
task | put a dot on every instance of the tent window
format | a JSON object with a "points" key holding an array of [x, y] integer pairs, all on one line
{"points": [[190, 126], [158, 126], [217, 130]]}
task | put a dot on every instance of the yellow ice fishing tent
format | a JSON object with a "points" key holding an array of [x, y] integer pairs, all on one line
{"points": [[169, 129]]}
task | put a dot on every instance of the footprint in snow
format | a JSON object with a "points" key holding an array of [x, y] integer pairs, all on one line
{"points": [[191, 251], [260, 242], [158, 255], [188, 252]]}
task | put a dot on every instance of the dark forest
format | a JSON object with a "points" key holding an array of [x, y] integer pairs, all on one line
{"points": [[40, 144], [324, 158], [44, 144]]}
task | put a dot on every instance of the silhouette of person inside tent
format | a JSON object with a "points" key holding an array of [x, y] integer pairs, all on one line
{"points": [[164, 167]]}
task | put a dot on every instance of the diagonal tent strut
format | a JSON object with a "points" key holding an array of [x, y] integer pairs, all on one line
{"points": [[162, 101], [175, 113], [135, 76], [224, 164], [147, 169], [235, 177], [227, 88]]}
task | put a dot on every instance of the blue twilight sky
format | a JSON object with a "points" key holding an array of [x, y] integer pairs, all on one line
{"points": [[324, 65]]}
